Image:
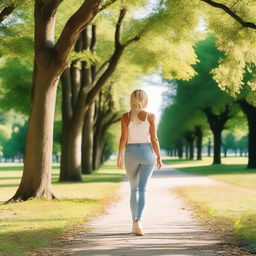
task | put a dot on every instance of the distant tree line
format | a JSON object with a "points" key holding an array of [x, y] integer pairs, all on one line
{"points": [[199, 107]]}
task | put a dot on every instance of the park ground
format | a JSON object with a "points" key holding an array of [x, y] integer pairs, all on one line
{"points": [[226, 208], [229, 207], [37, 223]]}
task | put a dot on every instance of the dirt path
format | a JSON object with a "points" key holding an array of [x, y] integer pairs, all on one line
{"points": [[168, 225]]}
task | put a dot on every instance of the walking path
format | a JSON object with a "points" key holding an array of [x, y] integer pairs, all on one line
{"points": [[169, 227]]}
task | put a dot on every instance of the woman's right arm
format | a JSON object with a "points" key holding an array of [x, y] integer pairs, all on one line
{"points": [[123, 140], [154, 140]]}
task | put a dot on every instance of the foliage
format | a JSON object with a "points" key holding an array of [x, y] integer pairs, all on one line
{"points": [[17, 141], [237, 42], [57, 137], [228, 141], [193, 96], [242, 143], [17, 30], [168, 31], [15, 77]]}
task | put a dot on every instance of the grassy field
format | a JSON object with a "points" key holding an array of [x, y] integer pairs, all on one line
{"points": [[231, 204], [37, 223]]}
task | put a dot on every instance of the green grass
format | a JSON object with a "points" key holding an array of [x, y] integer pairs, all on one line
{"points": [[33, 224], [233, 170], [230, 205]]}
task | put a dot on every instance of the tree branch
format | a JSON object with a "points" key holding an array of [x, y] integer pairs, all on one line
{"points": [[134, 39], [113, 60], [111, 120], [117, 40], [119, 26], [67, 109], [108, 72], [104, 64], [86, 72], [101, 67], [45, 19], [104, 6], [93, 38], [76, 23], [92, 48], [6, 12], [117, 119], [231, 13]]}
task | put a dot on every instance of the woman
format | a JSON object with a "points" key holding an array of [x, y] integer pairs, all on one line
{"points": [[137, 149]]}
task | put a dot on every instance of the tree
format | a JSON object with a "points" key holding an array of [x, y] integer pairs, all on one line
{"points": [[8, 7], [216, 105], [50, 61], [5, 133], [6, 11], [228, 142], [16, 92], [242, 145], [85, 87], [232, 21], [93, 75], [199, 141], [201, 94], [232, 13], [239, 56], [16, 144], [106, 116], [217, 124], [250, 112]]}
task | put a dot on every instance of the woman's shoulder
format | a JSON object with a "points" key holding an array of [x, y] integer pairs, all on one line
{"points": [[151, 117], [125, 116]]}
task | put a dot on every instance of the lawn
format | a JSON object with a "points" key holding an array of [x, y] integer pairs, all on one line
{"points": [[37, 223], [231, 204]]}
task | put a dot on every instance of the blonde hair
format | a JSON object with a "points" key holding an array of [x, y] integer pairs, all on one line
{"points": [[138, 101]]}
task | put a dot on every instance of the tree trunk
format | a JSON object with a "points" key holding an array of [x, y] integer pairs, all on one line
{"points": [[209, 147], [250, 112], [199, 140], [97, 147], [74, 147], [190, 137], [217, 123], [73, 111], [36, 178], [225, 152], [66, 112], [187, 150], [87, 142], [191, 149], [180, 150], [72, 124], [217, 145], [175, 152], [97, 157]]}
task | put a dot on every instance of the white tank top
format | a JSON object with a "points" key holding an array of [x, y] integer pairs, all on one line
{"points": [[139, 133]]}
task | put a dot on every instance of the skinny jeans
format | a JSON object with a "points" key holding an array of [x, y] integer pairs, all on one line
{"points": [[139, 160]]}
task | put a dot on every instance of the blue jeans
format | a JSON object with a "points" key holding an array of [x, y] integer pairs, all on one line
{"points": [[139, 160]]}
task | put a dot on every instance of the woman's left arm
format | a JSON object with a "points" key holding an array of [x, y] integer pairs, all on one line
{"points": [[122, 142]]}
